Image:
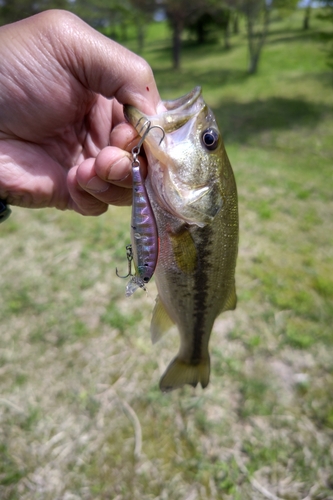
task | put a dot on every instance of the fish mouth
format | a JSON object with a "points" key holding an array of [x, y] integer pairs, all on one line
{"points": [[163, 131], [172, 142], [185, 102], [178, 112]]}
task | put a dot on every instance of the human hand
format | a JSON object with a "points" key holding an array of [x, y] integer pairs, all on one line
{"points": [[64, 141]]}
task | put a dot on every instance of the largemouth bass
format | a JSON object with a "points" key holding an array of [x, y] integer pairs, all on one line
{"points": [[193, 195]]}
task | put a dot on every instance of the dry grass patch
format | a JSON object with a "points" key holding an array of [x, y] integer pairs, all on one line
{"points": [[81, 415]]}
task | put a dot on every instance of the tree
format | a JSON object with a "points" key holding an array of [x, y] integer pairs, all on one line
{"points": [[257, 16], [113, 17], [223, 19], [142, 13], [103, 14], [212, 18], [307, 14], [179, 12], [15, 10], [201, 27], [327, 14]]}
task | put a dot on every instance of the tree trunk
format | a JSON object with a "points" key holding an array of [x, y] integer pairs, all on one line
{"points": [[200, 31], [226, 39], [256, 42], [176, 42], [253, 63], [235, 23], [307, 14], [226, 31]]}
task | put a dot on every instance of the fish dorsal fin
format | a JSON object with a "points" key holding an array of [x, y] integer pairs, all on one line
{"points": [[184, 251], [161, 321], [231, 302]]}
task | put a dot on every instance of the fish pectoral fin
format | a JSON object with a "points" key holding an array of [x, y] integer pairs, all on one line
{"points": [[231, 302], [180, 373], [161, 321], [193, 195]]}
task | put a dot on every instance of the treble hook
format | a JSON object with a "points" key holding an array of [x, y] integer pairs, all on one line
{"points": [[163, 132], [129, 255], [137, 148]]}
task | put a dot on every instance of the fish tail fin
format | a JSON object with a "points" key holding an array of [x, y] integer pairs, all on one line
{"points": [[180, 373]]}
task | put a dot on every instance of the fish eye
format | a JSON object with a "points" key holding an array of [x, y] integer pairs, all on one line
{"points": [[210, 139]]}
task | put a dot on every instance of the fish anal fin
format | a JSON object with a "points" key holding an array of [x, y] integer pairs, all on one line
{"points": [[160, 322], [180, 373], [231, 302], [184, 251]]}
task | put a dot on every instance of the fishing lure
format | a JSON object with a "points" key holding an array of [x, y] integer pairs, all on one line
{"points": [[144, 247]]}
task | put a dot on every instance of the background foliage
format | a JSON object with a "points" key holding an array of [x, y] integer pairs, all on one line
{"points": [[81, 415], [203, 18]]}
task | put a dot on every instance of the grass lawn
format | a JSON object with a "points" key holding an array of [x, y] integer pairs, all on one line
{"points": [[81, 415]]}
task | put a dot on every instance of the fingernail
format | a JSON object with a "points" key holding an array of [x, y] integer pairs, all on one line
{"points": [[120, 169], [97, 185]]}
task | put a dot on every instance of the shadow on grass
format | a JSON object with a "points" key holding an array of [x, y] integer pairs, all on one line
{"points": [[289, 36], [186, 79], [240, 121]]}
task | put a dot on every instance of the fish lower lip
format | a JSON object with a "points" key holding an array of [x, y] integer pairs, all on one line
{"points": [[184, 102]]}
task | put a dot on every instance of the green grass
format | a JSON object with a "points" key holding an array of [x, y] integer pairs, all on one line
{"points": [[81, 415]]}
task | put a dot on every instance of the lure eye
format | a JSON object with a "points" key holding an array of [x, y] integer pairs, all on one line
{"points": [[210, 139]]}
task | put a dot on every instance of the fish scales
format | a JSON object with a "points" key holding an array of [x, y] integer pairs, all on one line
{"points": [[193, 300], [193, 195]]}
